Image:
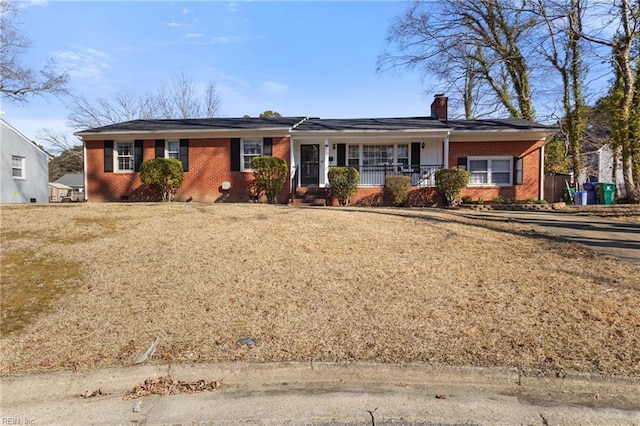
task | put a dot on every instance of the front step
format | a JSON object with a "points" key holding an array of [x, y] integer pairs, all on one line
{"points": [[315, 197]]}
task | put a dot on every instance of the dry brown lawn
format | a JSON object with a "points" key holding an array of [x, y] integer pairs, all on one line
{"points": [[332, 284]]}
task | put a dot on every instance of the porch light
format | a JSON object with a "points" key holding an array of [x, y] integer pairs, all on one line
{"points": [[334, 146], [422, 145]]}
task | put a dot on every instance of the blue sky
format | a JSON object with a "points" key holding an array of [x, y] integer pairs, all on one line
{"points": [[298, 58]]}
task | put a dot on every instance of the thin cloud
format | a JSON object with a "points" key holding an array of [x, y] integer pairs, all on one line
{"points": [[185, 11], [193, 35], [233, 7], [273, 88], [26, 4], [84, 62], [172, 24]]}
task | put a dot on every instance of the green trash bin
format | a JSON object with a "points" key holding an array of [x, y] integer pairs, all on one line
{"points": [[606, 193], [568, 195]]}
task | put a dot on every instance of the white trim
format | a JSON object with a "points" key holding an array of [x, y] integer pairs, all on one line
{"points": [[84, 165], [242, 141], [489, 160], [325, 167], [116, 157], [541, 189], [22, 167], [445, 153], [166, 148]]}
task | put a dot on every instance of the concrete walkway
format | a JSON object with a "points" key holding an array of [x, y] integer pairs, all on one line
{"points": [[603, 234], [322, 394]]}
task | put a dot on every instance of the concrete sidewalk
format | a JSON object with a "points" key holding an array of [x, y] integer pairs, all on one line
{"points": [[603, 234], [312, 393]]}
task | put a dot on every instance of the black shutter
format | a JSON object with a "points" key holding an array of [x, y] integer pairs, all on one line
{"points": [[184, 154], [342, 154], [108, 156], [159, 148], [137, 154], [415, 153], [462, 163], [267, 147], [235, 154], [518, 178]]}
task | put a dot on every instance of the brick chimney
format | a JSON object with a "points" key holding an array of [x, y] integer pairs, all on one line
{"points": [[439, 107]]}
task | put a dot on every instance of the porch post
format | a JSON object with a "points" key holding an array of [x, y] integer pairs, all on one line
{"points": [[541, 188], [292, 168], [445, 161], [325, 163]]}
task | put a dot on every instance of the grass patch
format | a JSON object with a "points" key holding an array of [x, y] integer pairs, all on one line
{"points": [[30, 286], [383, 285]]}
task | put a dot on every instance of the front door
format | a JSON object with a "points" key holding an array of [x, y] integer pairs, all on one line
{"points": [[309, 165]]}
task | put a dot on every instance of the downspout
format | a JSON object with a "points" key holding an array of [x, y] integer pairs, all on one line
{"points": [[84, 169], [541, 188]]}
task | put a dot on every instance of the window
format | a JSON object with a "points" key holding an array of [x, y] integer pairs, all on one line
{"points": [[17, 167], [124, 157], [250, 148], [354, 156], [489, 171], [403, 155], [173, 150], [377, 154]]}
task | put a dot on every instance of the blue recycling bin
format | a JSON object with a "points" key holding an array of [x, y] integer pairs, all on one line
{"points": [[581, 198], [590, 189]]}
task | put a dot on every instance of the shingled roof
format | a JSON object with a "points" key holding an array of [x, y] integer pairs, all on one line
{"points": [[373, 124], [301, 124], [197, 124]]}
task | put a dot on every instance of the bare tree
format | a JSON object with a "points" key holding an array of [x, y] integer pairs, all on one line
{"points": [[623, 99], [18, 82], [561, 46], [69, 155], [182, 98], [491, 35]]}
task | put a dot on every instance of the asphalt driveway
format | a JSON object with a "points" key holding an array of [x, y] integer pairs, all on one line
{"points": [[603, 234]]}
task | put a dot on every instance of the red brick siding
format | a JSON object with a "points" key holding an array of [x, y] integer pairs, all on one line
{"points": [[530, 151], [209, 166]]}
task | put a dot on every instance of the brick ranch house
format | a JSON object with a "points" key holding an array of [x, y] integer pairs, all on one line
{"points": [[504, 157]]}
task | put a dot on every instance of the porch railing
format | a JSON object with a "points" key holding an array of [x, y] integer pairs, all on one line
{"points": [[422, 175]]}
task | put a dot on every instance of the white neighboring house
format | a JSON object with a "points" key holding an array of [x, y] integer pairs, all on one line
{"points": [[605, 170], [24, 168]]}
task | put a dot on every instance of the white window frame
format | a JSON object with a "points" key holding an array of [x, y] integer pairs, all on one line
{"points": [[352, 158], [116, 157], [489, 170], [168, 152], [243, 156], [18, 163]]}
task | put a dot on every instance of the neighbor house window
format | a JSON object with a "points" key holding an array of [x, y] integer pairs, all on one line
{"points": [[250, 148], [17, 167], [124, 157], [489, 171], [173, 150]]}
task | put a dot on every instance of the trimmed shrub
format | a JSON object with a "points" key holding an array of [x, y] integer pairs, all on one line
{"points": [[163, 175], [270, 176], [398, 188], [451, 182], [343, 183]]}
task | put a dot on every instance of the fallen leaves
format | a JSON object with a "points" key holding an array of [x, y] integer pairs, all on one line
{"points": [[169, 386]]}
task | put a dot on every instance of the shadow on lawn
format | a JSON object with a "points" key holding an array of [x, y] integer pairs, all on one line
{"points": [[598, 239]]}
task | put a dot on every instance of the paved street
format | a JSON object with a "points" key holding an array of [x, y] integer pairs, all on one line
{"points": [[603, 234], [323, 394]]}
